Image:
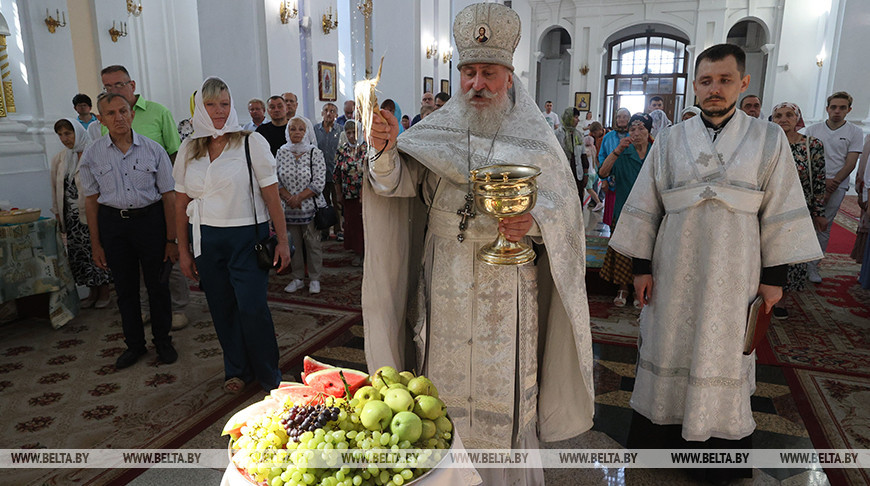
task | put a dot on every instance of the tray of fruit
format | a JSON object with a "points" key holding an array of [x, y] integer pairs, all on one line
{"points": [[19, 216], [340, 409]]}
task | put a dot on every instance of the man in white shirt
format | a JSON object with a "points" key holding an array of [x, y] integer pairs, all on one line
{"points": [[843, 143], [552, 118], [257, 110]]}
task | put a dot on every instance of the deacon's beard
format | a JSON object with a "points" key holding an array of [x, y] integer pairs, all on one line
{"points": [[718, 113], [485, 119]]}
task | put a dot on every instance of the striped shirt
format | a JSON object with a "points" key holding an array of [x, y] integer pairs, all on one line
{"points": [[126, 181]]}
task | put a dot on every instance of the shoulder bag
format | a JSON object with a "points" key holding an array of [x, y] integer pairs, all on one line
{"points": [[265, 248], [325, 216]]}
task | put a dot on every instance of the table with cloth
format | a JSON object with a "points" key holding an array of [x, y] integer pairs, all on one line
{"points": [[33, 262]]}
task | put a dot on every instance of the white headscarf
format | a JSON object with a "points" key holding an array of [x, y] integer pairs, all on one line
{"points": [[690, 109], [660, 121], [71, 158], [202, 124], [301, 147]]}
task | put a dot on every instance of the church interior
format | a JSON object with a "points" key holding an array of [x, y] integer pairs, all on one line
{"points": [[59, 388]]}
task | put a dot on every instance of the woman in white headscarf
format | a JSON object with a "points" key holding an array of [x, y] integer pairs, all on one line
{"points": [[689, 112], [68, 206], [302, 175], [223, 207], [660, 121]]}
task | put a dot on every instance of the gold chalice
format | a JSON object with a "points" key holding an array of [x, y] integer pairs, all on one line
{"points": [[504, 191]]}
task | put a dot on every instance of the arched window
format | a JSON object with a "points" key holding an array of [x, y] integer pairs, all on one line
{"points": [[643, 66]]}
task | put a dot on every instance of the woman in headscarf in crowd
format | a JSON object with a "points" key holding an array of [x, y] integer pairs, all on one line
{"points": [[591, 143], [689, 112], [571, 141], [660, 122], [349, 163], [185, 127], [217, 197], [625, 163], [68, 206], [608, 144], [302, 174], [809, 157]]}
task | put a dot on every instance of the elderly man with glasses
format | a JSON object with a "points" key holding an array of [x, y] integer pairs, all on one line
{"points": [[154, 121]]}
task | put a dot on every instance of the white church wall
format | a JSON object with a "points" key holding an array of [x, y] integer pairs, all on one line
{"points": [[851, 73], [324, 48], [444, 27], [110, 52], [233, 46], [395, 35]]}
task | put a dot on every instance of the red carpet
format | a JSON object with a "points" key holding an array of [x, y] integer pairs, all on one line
{"points": [[842, 240]]}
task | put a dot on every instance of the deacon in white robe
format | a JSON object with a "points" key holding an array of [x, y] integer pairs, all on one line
{"points": [[709, 214], [509, 347]]}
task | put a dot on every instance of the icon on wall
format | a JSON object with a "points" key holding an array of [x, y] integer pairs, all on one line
{"points": [[326, 80], [428, 85], [582, 100], [445, 86]]}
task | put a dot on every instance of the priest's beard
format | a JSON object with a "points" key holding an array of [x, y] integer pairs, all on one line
{"points": [[487, 119], [717, 113]]}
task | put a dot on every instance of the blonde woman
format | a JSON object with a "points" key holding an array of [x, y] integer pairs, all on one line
{"points": [[217, 196]]}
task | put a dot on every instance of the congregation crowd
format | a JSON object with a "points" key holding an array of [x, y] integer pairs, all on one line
{"points": [[825, 156], [721, 199], [120, 170]]}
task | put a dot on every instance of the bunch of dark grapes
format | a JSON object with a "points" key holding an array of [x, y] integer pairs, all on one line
{"points": [[307, 418]]}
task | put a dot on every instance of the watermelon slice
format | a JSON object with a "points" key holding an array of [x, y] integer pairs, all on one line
{"points": [[328, 381], [311, 365], [298, 394], [249, 413], [285, 384]]}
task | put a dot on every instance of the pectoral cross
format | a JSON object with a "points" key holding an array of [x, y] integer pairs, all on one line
{"points": [[466, 212]]}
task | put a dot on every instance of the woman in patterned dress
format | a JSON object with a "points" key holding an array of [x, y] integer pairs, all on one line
{"points": [[624, 163], [301, 179], [349, 163], [809, 156], [68, 206]]}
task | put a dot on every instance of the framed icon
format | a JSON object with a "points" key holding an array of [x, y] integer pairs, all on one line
{"points": [[428, 85], [582, 100], [445, 86], [326, 80]]}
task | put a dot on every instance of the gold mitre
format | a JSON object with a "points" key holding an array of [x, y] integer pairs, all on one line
{"points": [[486, 33]]}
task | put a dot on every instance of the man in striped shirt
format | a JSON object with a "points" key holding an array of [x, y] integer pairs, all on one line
{"points": [[127, 180]]}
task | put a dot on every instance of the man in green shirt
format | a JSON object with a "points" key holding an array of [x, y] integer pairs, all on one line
{"points": [[154, 121]]}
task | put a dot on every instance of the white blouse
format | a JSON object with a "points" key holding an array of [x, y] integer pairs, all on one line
{"points": [[221, 189]]}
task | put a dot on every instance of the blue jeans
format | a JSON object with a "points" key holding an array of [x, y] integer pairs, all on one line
{"points": [[235, 288]]}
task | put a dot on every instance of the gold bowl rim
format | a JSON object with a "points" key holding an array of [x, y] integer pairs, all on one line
{"points": [[496, 170]]}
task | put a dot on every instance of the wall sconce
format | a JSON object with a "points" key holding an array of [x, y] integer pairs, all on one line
{"points": [[115, 33], [431, 50], [584, 70], [287, 11], [448, 55], [365, 8], [328, 22], [820, 59], [53, 23], [134, 9]]}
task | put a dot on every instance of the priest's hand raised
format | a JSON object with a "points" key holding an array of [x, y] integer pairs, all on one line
{"points": [[515, 227], [385, 129]]}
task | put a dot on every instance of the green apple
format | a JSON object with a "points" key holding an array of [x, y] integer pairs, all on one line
{"points": [[367, 393], [443, 424], [407, 376], [399, 400], [384, 376], [429, 429], [407, 426], [422, 386], [400, 386], [429, 407], [376, 415]]}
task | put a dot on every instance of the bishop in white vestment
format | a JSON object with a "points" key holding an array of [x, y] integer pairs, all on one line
{"points": [[509, 347]]}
